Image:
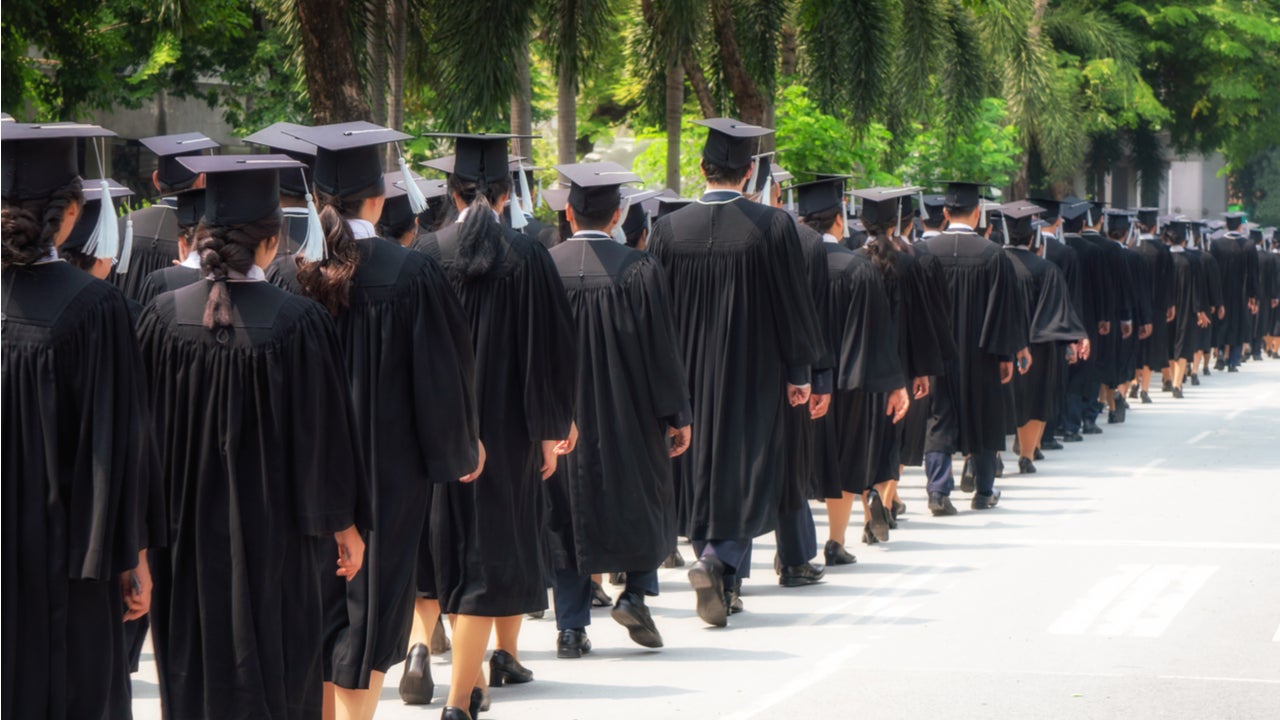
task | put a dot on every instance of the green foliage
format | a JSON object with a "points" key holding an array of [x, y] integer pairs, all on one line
{"points": [[986, 149], [810, 141], [651, 163]]}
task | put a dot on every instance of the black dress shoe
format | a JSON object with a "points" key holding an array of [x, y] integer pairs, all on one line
{"points": [[439, 640], [1026, 467], [1072, 437], [999, 466], [968, 481], [985, 502], [1206, 371], [416, 685], [868, 537], [617, 579], [1233, 368], [479, 701], [940, 505], [1049, 443], [599, 598], [733, 597], [631, 613], [1133, 392], [536, 614], [453, 713], [1146, 398], [1037, 455], [1177, 392], [674, 560], [1195, 379], [1219, 366], [572, 644], [835, 554], [899, 508], [707, 578], [1166, 386], [1091, 428], [505, 669], [801, 575], [879, 524]]}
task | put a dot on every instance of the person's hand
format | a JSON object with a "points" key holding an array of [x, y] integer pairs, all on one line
{"points": [[1126, 329], [1253, 306], [920, 387], [135, 588], [1202, 320], [1083, 349], [566, 446], [1024, 361], [1173, 313], [1144, 331], [680, 439], [898, 404], [797, 395], [1006, 372], [1275, 302], [819, 403], [479, 466], [549, 457], [1222, 312], [1104, 327], [350, 552]]}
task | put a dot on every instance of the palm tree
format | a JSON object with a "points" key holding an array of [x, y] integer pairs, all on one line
{"points": [[576, 31]]}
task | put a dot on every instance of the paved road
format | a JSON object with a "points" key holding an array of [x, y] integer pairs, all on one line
{"points": [[1137, 575]]}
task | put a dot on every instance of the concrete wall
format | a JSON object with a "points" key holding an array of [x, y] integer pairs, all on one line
{"points": [[1194, 188]]}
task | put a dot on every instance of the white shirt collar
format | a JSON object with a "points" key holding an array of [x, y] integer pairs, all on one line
{"points": [[958, 227], [929, 233], [591, 235], [50, 258], [362, 228], [1177, 248], [829, 238], [191, 261]]}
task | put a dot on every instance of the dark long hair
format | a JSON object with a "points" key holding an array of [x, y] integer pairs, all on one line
{"points": [[328, 281], [224, 248], [480, 237], [886, 246], [30, 226]]}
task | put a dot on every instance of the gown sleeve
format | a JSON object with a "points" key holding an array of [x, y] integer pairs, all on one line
{"points": [[1054, 318], [548, 339], [650, 302]]}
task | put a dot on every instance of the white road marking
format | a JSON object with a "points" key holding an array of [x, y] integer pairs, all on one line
{"points": [[1147, 468], [823, 669], [1277, 636], [1202, 678], [888, 606], [1078, 619], [1137, 601], [1199, 437]]}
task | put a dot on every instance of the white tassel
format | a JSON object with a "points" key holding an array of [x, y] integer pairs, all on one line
{"points": [[1004, 230], [526, 197], [313, 246], [417, 201], [518, 219], [924, 214], [791, 204], [540, 201], [105, 240], [126, 249], [844, 215], [982, 215], [766, 193]]}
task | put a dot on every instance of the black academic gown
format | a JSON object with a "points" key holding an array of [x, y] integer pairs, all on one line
{"points": [[746, 327], [861, 330], [155, 245], [1053, 323], [77, 477], [411, 371], [263, 464], [1190, 297], [971, 409], [1140, 293], [1209, 338], [801, 480], [1113, 349], [1237, 267], [1096, 297], [166, 279], [1268, 290], [613, 498], [487, 539], [1153, 353]]}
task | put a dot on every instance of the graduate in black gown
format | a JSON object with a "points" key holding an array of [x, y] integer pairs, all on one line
{"points": [[612, 500], [1239, 271], [295, 187], [155, 229], [1096, 295], [748, 335], [487, 537], [1067, 258], [1134, 288], [970, 407], [868, 398], [1055, 328], [188, 213], [410, 369], [1189, 290], [1153, 352], [922, 317], [78, 468]]}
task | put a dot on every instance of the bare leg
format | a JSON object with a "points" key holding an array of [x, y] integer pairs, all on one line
{"points": [[359, 704], [866, 508], [838, 512], [1179, 372], [1144, 376], [426, 613], [1029, 438], [508, 631], [470, 639], [330, 705], [890, 491]]}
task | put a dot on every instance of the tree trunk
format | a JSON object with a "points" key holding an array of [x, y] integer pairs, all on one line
{"points": [[567, 120], [333, 81], [790, 51], [522, 102], [675, 112], [376, 49], [746, 94], [398, 27], [697, 80]]}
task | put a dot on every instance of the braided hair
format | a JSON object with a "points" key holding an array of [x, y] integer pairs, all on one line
{"points": [[30, 226], [227, 248]]}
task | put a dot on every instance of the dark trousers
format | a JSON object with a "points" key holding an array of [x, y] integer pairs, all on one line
{"points": [[1233, 357], [735, 554], [983, 465], [573, 595], [1073, 413], [797, 536], [937, 468]]}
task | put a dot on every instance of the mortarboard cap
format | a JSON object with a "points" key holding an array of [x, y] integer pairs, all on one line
{"points": [[1072, 208], [88, 220], [885, 205], [557, 198], [277, 139], [1118, 221], [1233, 220], [1147, 216], [594, 186], [1020, 219], [730, 143], [240, 188], [638, 203], [1045, 199], [933, 206], [666, 206], [761, 175], [962, 194], [190, 207], [40, 158], [348, 155], [168, 148], [480, 156], [397, 215], [818, 196]]}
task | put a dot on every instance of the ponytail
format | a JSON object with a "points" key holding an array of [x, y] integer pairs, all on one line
{"points": [[328, 281], [480, 237], [881, 246], [29, 227], [225, 249]]}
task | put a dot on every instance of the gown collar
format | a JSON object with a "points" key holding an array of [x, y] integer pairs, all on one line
{"points": [[591, 235], [191, 261], [829, 238], [719, 197], [959, 228]]}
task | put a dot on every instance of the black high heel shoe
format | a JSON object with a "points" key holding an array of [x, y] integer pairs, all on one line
{"points": [[477, 702], [453, 713], [416, 685], [505, 669], [878, 524]]}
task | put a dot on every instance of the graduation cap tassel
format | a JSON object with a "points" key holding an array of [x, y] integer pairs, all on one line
{"points": [[417, 201], [105, 240], [924, 212], [982, 216], [313, 246], [790, 200], [126, 247], [766, 192], [540, 201], [619, 235], [1004, 229], [844, 215], [526, 197]]}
